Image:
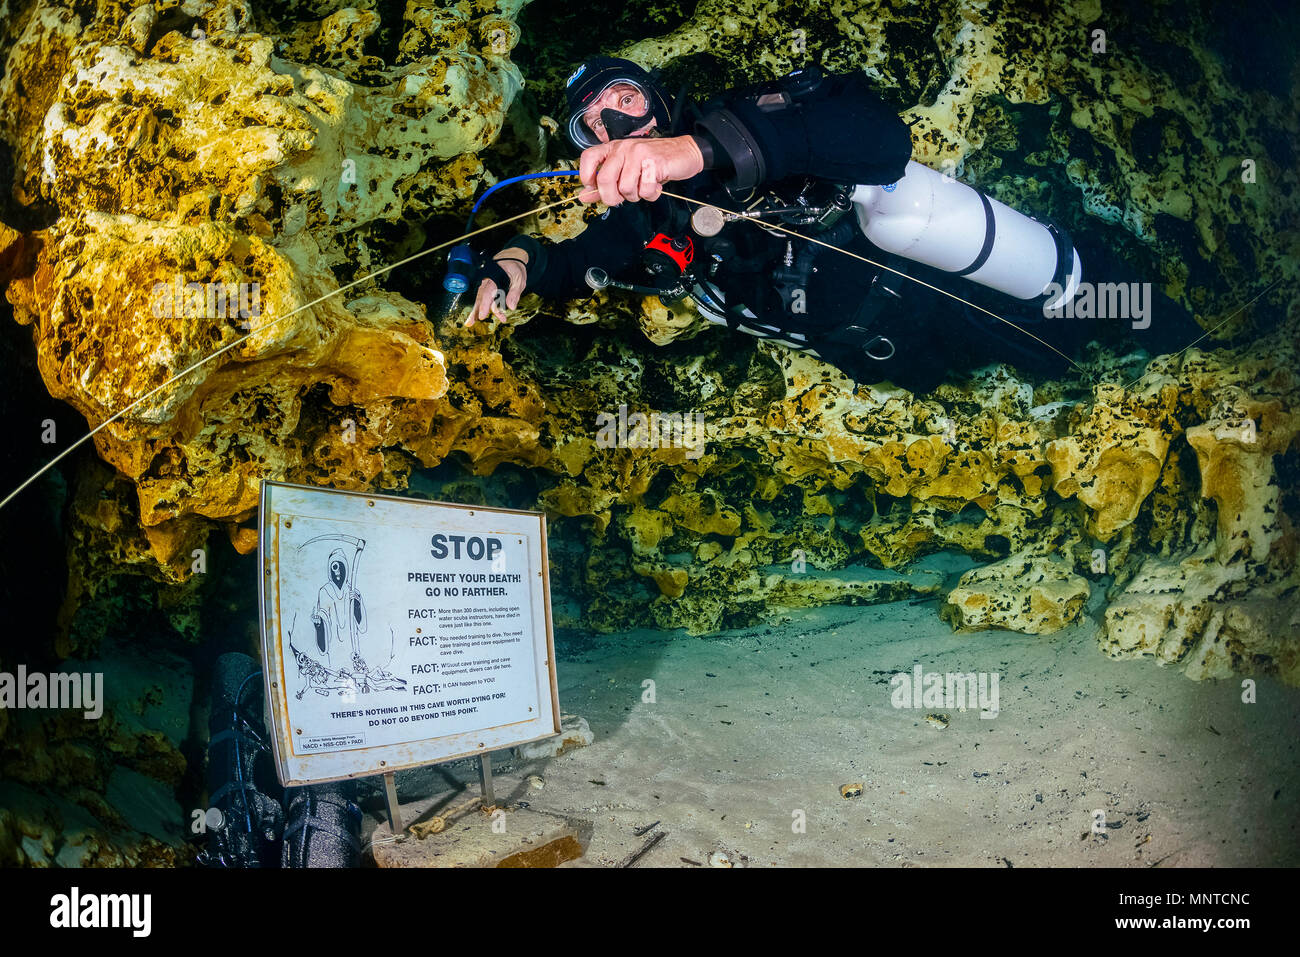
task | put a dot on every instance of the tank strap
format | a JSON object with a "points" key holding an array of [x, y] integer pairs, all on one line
{"points": [[990, 232], [1064, 254]]}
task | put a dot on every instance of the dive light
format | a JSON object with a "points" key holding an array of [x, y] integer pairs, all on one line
{"points": [[460, 267], [461, 264]]}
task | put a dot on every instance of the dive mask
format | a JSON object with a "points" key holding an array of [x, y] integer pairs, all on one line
{"points": [[631, 110], [613, 95]]}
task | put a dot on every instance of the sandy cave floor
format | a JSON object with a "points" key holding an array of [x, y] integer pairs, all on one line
{"points": [[752, 725]]}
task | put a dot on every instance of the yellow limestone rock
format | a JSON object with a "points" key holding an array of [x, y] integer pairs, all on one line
{"points": [[1255, 634], [1027, 593], [1166, 607], [1235, 452], [217, 181], [1232, 606], [1112, 461]]}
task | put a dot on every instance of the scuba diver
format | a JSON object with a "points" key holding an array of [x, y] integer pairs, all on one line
{"points": [[829, 158]]}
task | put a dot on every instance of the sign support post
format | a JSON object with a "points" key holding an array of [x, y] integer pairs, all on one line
{"points": [[485, 779], [394, 809]]}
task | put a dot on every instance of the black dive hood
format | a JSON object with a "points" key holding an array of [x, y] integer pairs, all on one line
{"points": [[593, 78]]}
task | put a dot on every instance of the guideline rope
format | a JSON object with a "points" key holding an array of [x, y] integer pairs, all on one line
{"points": [[452, 242], [263, 327]]}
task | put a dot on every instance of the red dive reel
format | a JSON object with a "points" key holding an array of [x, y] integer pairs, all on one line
{"points": [[668, 257]]}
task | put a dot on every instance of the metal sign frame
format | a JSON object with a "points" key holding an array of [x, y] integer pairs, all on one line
{"points": [[280, 501]]}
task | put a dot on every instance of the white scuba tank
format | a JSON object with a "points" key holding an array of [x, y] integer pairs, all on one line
{"points": [[933, 219]]}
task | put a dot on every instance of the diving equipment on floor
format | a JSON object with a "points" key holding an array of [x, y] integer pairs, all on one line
{"points": [[322, 826], [244, 818], [247, 826], [933, 219]]}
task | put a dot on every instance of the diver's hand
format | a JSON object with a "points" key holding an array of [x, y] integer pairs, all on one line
{"points": [[636, 168], [486, 304]]}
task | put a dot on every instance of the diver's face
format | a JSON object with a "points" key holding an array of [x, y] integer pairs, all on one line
{"points": [[336, 573], [623, 97]]}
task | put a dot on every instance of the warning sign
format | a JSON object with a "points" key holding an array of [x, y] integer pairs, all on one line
{"points": [[399, 632]]}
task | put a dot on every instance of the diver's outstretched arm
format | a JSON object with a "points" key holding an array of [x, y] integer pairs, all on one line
{"points": [[837, 129]]}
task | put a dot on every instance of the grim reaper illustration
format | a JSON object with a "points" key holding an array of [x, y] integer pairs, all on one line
{"points": [[340, 611], [339, 620]]}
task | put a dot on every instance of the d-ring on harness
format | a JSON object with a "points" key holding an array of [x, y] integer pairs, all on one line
{"points": [[888, 355]]}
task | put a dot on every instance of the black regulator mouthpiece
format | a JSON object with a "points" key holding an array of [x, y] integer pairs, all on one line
{"points": [[621, 125]]}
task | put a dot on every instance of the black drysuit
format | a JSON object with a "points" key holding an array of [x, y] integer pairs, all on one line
{"points": [[842, 132]]}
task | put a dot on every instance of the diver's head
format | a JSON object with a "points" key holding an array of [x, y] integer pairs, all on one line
{"points": [[610, 99]]}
